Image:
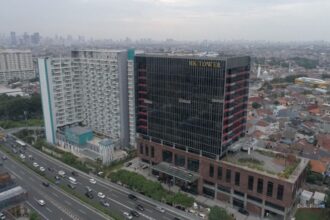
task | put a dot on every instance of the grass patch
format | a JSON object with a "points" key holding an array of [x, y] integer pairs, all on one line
{"points": [[150, 188], [6, 124], [312, 214]]}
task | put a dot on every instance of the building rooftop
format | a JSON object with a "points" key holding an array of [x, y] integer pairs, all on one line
{"points": [[191, 56], [269, 163]]}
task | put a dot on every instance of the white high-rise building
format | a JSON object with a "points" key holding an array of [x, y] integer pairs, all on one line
{"points": [[16, 64], [131, 96], [90, 87]]}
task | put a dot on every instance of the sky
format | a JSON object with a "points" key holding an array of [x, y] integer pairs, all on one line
{"points": [[271, 20]]}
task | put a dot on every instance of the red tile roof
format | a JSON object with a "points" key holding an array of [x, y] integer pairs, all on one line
{"points": [[317, 166]]}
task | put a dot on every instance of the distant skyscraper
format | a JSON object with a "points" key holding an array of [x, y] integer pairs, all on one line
{"points": [[16, 64], [89, 87], [13, 39], [35, 38], [259, 71], [26, 39]]}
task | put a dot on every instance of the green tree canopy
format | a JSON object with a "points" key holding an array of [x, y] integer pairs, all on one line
{"points": [[218, 213]]}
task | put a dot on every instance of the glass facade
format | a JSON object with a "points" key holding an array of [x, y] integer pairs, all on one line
{"points": [[180, 101]]}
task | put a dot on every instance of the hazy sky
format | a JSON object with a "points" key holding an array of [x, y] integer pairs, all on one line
{"points": [[277, 20]]}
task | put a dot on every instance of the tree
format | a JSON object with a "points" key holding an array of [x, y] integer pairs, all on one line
{"points": [[34, 216], [217, 213], [256, 105]]}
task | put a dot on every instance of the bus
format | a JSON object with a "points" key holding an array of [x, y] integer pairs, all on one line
{"points": [[72, 180], [21, 143]]}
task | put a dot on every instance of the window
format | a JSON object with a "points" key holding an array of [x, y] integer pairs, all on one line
{"points": [[223, 188], [238, 193], [211, 170], [152, 151], [270, 189], [147, 150], [179, 160], [237, 178], [219, 172], [281, 208], [253, 198], [167, 156], [280, 191], [141, 149], [193, 165], [228, 175], [260, 186], [250, 182]]}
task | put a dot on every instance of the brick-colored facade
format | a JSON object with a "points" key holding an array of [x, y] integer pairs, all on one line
{"points": [[290, 188]]}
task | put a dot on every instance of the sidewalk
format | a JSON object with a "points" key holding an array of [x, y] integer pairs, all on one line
{"points": [[136, 167]]}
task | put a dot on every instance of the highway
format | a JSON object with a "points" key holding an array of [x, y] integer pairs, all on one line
{"points": [[116, 195], [59, 205]]}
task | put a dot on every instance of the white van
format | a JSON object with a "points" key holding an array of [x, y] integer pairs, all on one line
{"points": [[72, 180]]}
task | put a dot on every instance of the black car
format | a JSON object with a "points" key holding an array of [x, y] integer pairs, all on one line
{"points": [[89, 195], [243, 211], [176, 218], [74, 173], [135, 213], [140, 207], [45, 184], [132, 197], [50, 169]]}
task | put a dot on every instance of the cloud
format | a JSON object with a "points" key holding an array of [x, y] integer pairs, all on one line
{"points": [[178, 19]]}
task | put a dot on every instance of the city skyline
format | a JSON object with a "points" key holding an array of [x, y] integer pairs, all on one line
{"points": [[294, 20]]}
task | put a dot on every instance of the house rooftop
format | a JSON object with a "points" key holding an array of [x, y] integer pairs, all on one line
{"points": [[269, 163]]}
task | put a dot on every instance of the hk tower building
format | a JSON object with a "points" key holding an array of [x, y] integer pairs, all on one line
{"points": [[191, 115]]}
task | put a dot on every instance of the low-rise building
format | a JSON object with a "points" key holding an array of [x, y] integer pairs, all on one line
{"points": [[263, 182], [82, 142]]}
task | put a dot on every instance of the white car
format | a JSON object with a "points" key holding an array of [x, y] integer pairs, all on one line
{"points": [[161, 209], [128, 215], [61, 173], [22, 156], [35, 164], [41, 202], [42, 169], [93, 181], [101, 195]]}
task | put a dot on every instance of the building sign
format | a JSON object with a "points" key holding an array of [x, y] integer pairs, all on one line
{"points": [[200, 63]]}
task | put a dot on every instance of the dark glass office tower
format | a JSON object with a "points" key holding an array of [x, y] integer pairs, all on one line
{"points": [[196, 105]]}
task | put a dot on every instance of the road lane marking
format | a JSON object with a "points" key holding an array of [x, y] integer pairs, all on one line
{"points": [[127, 207], [15, 174], [82, 211], [55, 194], [48, 209], [35, 209], [114, 195]]}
